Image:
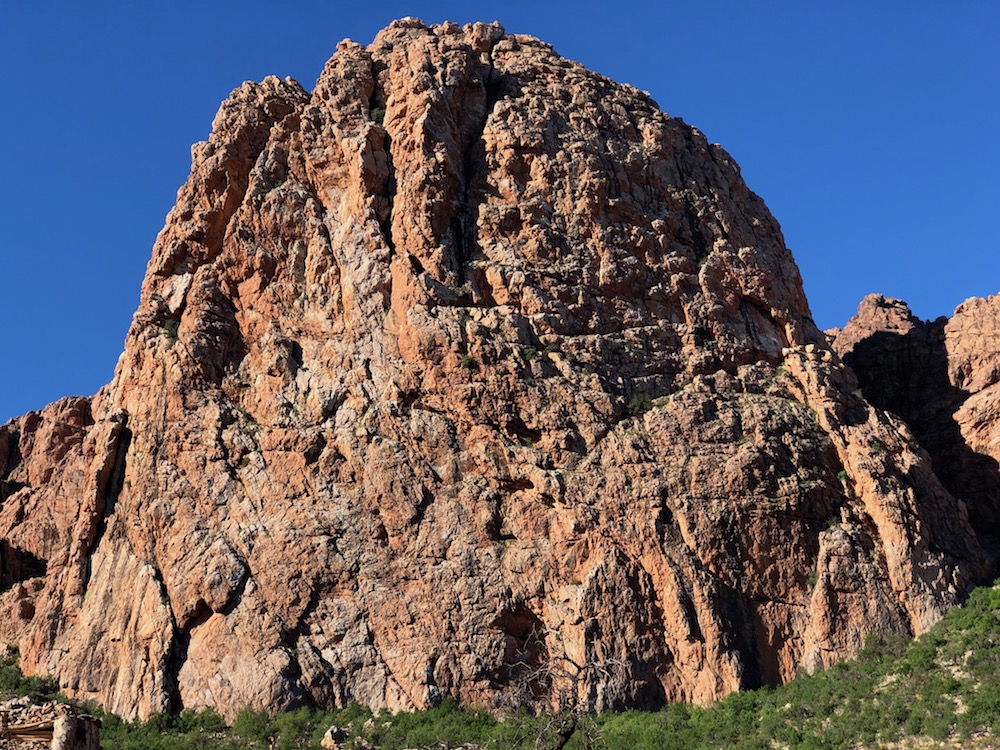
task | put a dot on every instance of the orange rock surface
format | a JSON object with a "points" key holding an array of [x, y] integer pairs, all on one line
{"points": [[470, 373]]}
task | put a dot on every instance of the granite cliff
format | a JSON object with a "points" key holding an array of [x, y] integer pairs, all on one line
{"points": [[469, 373]]}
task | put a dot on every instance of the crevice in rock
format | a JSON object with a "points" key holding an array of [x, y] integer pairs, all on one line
{"points": [[10, 448], [176, 653], [236, 595], [376, 106], [520, 431], [420, 509], [18, 565], [691, 235], [116, 481], [463, 225], [418, 267], [516, 484], [9, 488], [525, 654]]}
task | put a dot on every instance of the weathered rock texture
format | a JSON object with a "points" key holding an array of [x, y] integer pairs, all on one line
{"points": [[28, 726], [943, 378], [379, 432]]}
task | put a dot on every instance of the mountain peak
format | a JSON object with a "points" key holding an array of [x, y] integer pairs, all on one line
{"points": [[469, 373]]}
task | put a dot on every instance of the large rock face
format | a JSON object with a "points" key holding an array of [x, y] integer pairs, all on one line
{"points": [[943, 378], [380, 430]]}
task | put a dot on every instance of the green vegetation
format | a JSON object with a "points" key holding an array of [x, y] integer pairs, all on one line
{"points": [[377, 115], [941, 687], [13, 684], [639, 404], [529, 353], [466, 362], [169, 328]]}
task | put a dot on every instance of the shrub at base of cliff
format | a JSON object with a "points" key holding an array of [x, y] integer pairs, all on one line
{"points": [[940, 687], [13, 684]]}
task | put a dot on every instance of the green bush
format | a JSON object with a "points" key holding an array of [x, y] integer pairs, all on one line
{"points": [[207, 720], [252, 725], [639, 404], [13, 683], [169, 329]]}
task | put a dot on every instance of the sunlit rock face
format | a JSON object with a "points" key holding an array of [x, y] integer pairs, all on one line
{"points": [[468, 374]]}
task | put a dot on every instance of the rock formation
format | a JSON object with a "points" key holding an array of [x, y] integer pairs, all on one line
{"points": [[28, 726], [943, 378], [472, 374]]}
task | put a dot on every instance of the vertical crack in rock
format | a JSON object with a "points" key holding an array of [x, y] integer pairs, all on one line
{"points": [[377, 109], [465, 223]]}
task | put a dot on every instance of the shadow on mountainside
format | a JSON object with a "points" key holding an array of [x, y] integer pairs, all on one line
{"points": [[907, 375]]}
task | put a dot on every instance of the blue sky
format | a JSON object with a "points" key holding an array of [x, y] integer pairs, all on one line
{"points": [[870, 129]]}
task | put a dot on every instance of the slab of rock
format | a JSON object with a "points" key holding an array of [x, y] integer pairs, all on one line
{"points": [[468, 374]]}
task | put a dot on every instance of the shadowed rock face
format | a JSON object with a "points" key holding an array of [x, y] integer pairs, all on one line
{"points": [[380, 430], [943, 378]]}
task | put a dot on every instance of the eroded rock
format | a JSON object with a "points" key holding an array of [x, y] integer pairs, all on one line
{"points": [[29, 726], [942, 378], [469, 374]]}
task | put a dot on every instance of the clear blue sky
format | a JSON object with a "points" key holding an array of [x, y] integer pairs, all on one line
{"points": [[869, 128]]}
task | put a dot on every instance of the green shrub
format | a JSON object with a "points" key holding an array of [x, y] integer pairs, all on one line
{"points": [[207, 720], [252, 725], [13, 683], [169, 329], [377, 115], [639, 404]]}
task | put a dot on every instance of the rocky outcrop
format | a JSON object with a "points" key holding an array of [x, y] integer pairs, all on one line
{"points": [[29, 726], [942, 378], [469, 374]]}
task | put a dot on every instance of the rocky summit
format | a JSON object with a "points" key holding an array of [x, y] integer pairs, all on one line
{"points": [[469, 374]]}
